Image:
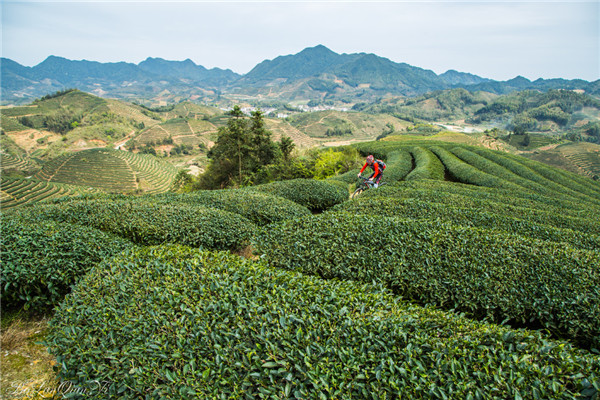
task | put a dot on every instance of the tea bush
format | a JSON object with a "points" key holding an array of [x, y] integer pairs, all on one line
{"points": [[547, 188], [567, 183], [259, 208], [41, 260], [339, 184], [466, 173], [148, 223], [427, 165], [489, 274], [313, 194], [550, 210], [509, 220], [172, 322], [399, 164]]}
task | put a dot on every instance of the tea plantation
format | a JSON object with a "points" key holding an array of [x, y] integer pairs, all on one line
{"points": [[471, 274], [110, 170], [19, 191]]}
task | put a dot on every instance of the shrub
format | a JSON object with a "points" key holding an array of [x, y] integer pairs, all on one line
{"points": [[172, 322], [315, 195], [146, 223], [428, 166], [260, 208], [399, 164], [41, 260], [488, 274], [339, 183], [463, 212], [465, 173], [502, 171]]}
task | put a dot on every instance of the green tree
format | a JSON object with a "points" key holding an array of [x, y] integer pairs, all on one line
{"points": [[519, 130], [286, 145], [331, 162], [242, 148], [263, 150]]}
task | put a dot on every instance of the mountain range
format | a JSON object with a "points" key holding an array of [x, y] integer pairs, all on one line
{"points": [[316, 73]]}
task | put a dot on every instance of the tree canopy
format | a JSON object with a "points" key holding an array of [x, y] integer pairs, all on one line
{"points": [[242, 147]]}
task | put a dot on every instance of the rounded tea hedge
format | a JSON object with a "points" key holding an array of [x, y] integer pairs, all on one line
{"points": [[260, 208], [41, 260], [489, 274], [149, 223], [173, 322], [313, 194]]}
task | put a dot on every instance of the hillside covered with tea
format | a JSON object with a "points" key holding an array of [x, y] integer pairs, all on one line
{"points": [[471, 273]]}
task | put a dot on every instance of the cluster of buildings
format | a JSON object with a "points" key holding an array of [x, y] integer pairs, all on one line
{"points": [[271, 111]]}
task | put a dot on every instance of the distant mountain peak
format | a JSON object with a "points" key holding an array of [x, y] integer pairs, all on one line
{"points": [[518, 79], [55, 59], [318, 49], [313, 73], [456, 78]]}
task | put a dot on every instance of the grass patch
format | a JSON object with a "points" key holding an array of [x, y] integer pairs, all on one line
{"points": [[27, 367]]}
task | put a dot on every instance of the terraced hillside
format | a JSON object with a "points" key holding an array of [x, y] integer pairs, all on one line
{"points": [[16, 163], [113, 171], [70, 121], [531, 141], [192, 111], [19, 191], [582, 158], [180, 130], [362, 126], [586, 156], [280, 128]]}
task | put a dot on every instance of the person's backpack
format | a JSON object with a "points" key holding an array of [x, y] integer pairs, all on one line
{"points": [[382, 165]]}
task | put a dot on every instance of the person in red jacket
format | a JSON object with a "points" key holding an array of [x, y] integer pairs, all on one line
{"points": [[377, 166]]}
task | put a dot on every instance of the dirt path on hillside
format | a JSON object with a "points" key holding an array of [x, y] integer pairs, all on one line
{"points": [[316, 122], [189, 126], [122, 142], [67, 159]]}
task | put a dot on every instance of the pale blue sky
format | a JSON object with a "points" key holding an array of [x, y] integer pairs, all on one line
{"points": [[498, 40]]}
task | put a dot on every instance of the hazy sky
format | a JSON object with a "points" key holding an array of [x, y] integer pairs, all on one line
{"points": [[498, 40]]}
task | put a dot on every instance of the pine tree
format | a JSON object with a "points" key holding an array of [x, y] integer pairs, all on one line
{"points": [[242, 147]]}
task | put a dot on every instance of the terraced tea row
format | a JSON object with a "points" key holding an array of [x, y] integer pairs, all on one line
{"points": [[154, 176], [24, 164], [588, 162], [580, 233], [18, 192], [481, 167], [567, 214], [110, 170], [281, 128]]}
